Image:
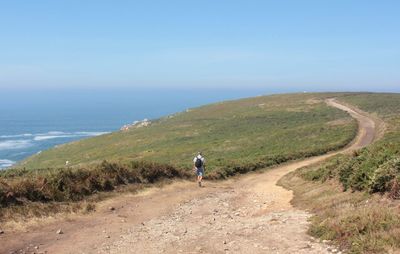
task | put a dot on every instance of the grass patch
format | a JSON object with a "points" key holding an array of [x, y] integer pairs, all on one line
{"points": [[63, 185], [357, 222], [28, 194], [355, 198]]}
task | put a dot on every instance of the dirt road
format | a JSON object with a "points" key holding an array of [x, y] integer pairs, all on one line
{"points": [[248, 214]]}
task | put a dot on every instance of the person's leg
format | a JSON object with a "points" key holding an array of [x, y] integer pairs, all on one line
{"points": [[198, 172], [201, 176]]}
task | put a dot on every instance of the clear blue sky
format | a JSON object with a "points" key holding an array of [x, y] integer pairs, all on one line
{"points": [[296, 45]]}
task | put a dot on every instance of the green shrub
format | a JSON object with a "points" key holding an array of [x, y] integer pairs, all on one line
{"points": [[372, 169], [385, 175], [77, 183]]}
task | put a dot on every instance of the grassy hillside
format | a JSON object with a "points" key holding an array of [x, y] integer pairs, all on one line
{"points": [[236, 137], [268, 128], [355, 197]]}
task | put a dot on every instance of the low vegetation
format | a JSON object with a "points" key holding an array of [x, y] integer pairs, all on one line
{"points": [[236, 136], [232, 133], [74, 184], [355, 197], [53, 190], [357, 222]]}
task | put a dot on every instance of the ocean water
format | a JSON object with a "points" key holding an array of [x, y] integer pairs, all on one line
{"points": [[36, 120]]}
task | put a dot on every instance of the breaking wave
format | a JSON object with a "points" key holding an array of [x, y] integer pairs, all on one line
{"points": [[15, 144], [17, 135], [60, 134], [4, 163]]}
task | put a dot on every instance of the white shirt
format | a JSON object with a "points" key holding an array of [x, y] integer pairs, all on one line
{"points": [[200, 157]]}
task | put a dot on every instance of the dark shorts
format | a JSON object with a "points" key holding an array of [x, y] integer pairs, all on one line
{"points": [[200, 171]]}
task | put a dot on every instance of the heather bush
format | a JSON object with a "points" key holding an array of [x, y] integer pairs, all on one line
{"points": [[373, 169], [385, 175], [75, 184]]}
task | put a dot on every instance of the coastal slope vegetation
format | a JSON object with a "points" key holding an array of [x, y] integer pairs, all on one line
{"points": [[264, 129], [236, 137], [355, 197]]}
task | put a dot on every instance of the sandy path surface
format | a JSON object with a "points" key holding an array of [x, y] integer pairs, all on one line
{"points": [[247, 214]]}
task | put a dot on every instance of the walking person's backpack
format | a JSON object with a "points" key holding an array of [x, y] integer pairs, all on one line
{"points": [[198, 163]]}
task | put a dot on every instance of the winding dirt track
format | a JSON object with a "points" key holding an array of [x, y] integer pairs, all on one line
{"points": [[248, 214]]}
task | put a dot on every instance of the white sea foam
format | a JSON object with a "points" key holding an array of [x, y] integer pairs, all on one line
{"points": [[40, 138], [17, 135], [56, 133], [91, 133], [14, 144], [4, 163], [24, 143], [60, 134]]}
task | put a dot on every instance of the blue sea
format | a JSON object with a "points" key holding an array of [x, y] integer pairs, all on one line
{"points": [[35, 120]]}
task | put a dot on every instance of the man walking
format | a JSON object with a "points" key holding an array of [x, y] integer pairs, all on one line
{"points": [[198, 167]]}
